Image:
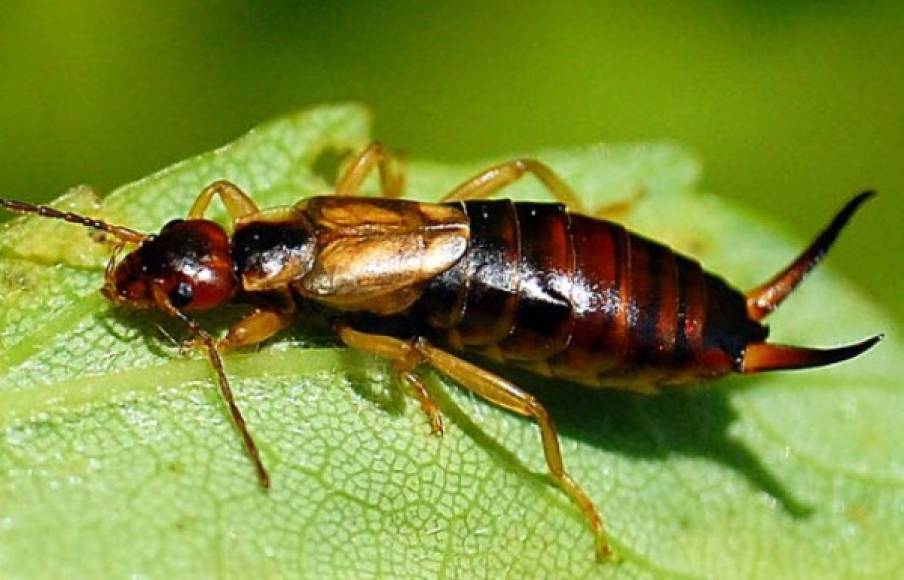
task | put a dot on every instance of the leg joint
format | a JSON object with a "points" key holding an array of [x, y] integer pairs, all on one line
{"points": [[537, 410], [220, 185], [409, 361]]}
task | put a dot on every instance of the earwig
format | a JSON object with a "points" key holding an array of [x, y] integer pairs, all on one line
{"points": [[537, 285]]}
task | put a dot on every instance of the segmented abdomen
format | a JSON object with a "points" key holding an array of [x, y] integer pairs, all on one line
{"points": [[583, 299]]}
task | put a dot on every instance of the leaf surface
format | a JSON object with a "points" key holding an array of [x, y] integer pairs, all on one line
{"points": [[117, 457]]}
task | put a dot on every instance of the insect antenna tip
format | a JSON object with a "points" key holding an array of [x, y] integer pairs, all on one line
{"points": [[122, 233]]}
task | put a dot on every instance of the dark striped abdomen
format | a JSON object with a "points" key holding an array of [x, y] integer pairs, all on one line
{"points": [[583, 299]]}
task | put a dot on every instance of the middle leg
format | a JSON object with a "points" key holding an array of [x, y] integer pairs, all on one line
{"points": [[392, 183]]}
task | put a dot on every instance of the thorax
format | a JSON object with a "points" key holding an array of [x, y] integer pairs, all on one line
{"points": [[351, 253]]}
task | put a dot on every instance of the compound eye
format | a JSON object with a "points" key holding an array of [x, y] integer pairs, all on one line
{"points": [[181, 295]]}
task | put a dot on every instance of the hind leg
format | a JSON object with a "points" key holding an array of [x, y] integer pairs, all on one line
{"points": [[404, 362], [489, 182], [495, 390]]}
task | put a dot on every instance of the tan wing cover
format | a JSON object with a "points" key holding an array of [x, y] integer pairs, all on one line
{"points": [[375, 254]]}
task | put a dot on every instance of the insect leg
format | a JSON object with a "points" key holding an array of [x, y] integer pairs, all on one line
{"points": [[426, 400], [109, 287], [404, 359], [216, 362], [274, 313], [504, 394], [498, 391], [616, 210], [392, 183], [237, 202], [487, 183], [255, 328], [270, 316], [281, 214]]}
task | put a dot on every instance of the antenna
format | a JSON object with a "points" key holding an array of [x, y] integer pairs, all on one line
{"points": [[123, 234]]}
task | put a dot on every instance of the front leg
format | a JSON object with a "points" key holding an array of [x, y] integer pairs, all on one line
{"points": [[255, 328], [204, 340], [265, 321]]}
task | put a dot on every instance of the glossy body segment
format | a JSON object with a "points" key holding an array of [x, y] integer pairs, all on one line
{"points": [[268, 255], [596, 298], [691, 316], [544, 316], [491, 266], [583, 299]]}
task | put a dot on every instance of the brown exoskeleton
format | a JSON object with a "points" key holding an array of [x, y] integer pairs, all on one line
{"points": [[531, 284]]}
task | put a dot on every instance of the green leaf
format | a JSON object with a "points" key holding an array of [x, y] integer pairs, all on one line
{"points": [[118, 459]]}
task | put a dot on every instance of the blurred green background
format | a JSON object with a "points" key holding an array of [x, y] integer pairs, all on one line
{"points": [[793, 106]]}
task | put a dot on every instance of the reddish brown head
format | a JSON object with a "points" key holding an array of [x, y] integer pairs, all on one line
{"points": [[189, 261]]}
